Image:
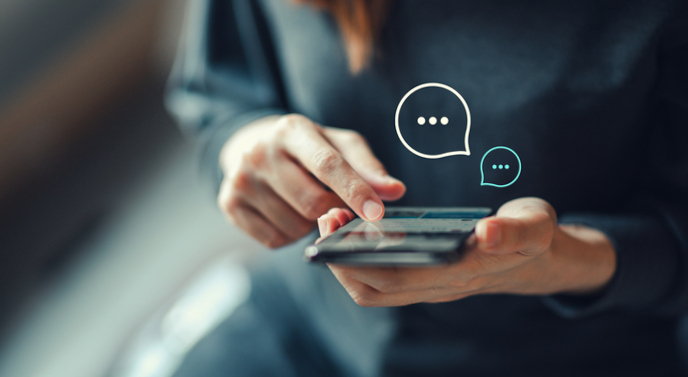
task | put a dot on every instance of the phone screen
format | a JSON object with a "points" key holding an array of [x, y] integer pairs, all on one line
{"points": [[406, 235]]}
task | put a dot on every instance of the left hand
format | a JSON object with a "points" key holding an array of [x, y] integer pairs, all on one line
{"points": [[520, 250]]}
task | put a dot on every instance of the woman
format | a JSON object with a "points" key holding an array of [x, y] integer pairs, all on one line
{"points": [[581, 271]]}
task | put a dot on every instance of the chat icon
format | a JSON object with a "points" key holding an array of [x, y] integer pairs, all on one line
{"points": [[500, 167], [433, 121]]}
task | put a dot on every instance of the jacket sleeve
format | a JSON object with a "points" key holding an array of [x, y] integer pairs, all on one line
{"points": [[225, 75], [651, 236]]}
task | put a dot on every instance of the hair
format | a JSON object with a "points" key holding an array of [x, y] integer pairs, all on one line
{"points": [[359, 21]]}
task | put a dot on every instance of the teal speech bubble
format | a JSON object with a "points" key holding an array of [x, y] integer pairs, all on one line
{"points": [[499, 167]]}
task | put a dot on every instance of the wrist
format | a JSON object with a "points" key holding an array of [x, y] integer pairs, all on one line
{"points": [[583, 260]]}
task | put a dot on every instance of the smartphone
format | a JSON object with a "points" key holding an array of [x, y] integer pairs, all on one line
{"points": [[405, 236]]}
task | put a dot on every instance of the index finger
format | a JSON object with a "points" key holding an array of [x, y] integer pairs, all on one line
{"points": [[355, 149], [318, 156]]}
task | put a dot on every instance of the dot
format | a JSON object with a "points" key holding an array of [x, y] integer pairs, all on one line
{"points": [[501, 166], [494, 166], [433, 121], [444, 121], [506, 166], [421, 121]]}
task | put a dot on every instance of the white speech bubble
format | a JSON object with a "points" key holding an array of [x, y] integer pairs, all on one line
{"points": [[466, 152]]}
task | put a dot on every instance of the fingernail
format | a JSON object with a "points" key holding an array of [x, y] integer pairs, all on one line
{"points": [[372, 210], [322, 226], [492, 235]]}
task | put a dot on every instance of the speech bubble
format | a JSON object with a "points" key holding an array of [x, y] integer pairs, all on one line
{"points": [[432, 117], [500, 167]]}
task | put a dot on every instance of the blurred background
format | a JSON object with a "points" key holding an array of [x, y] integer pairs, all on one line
{"points": [[113, 257]]}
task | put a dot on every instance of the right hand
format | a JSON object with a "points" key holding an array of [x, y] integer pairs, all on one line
{"points": [[275, 170]]}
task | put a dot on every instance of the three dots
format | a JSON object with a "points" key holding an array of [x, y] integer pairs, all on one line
{"points": [[500, 166], [433, 121]]}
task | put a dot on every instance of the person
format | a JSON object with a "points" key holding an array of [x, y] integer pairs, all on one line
{"points": [[581, 271]]}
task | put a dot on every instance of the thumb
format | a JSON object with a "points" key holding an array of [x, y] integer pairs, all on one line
{"points": [[524, 225]]}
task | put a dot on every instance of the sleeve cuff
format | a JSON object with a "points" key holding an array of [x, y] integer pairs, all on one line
{"points": [[647, 265]]}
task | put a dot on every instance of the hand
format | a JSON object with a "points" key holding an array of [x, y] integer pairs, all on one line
{"points": [[275, 170], [520, 250]]}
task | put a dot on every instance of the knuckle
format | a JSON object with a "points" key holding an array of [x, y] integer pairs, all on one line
{"points": [[539, 236], [354, 137], [227, 200], [242, 181], [363, 302], [326, 162], [550, 211], [354, 191], [314, 206], [223, 196], [389, 283], [388, 286], [364, 298], [546, 241], [292, 122], [258, 156], [303, 229], [274, 241], [231, 207], [293, 231]]}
